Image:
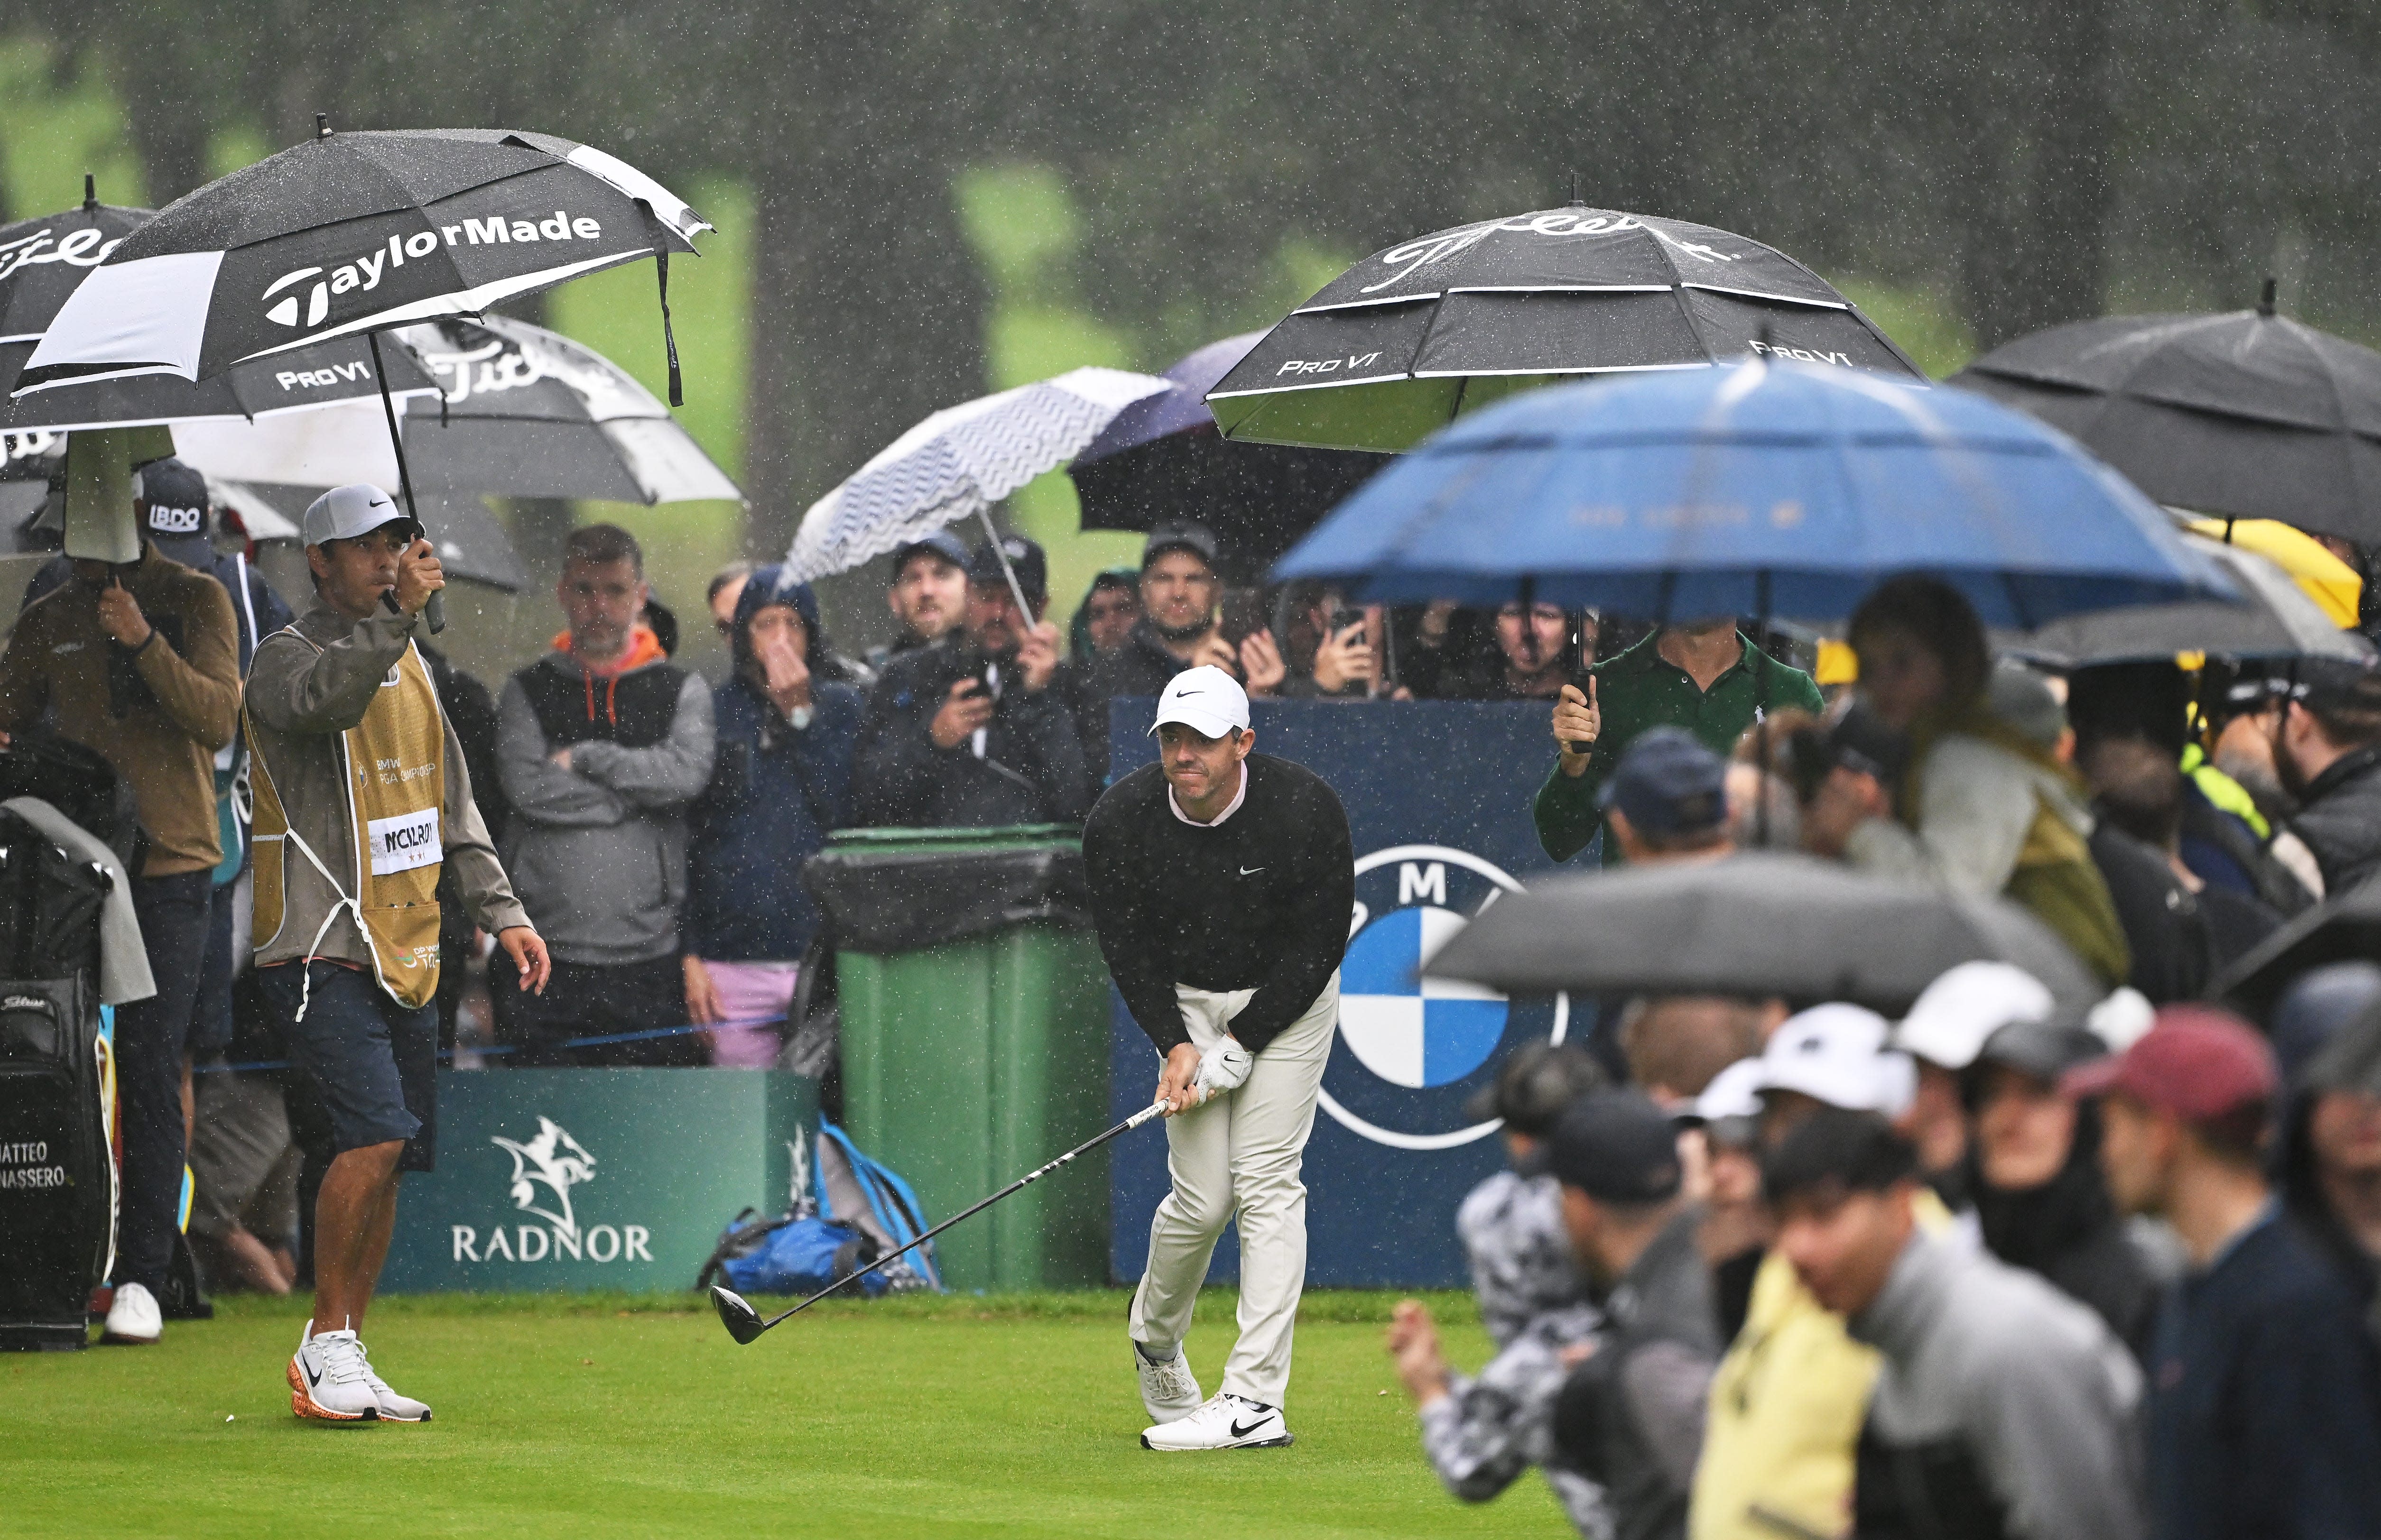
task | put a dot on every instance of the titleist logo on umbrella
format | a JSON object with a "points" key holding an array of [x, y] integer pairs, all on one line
{"points": [[366, 272], [84, 247]]}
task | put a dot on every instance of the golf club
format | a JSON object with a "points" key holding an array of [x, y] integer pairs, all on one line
{"points": [[744, 1323]]}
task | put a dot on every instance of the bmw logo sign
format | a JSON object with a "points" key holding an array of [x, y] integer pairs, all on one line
{"points": [[1410, 1051]]}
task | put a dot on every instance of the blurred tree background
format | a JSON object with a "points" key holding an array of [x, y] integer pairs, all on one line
{"points": [[918, 201]]}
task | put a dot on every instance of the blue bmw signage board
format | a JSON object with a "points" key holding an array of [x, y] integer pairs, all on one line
{"points": [[1437, 796]]}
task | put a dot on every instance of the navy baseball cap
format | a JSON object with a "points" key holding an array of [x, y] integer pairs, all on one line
{"points": [[942, 542], [175, 495], [1025, 558], [1668, 783], [1617, 1146]]}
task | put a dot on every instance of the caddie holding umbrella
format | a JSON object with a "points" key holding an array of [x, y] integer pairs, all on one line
{"points": [[361, 799]]}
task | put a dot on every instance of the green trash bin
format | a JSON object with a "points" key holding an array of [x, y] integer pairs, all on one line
{"points": [[975, 1036]]}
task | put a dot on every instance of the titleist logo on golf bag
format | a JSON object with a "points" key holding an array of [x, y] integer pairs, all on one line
{"points": [[364, 273], [21, 1003]]}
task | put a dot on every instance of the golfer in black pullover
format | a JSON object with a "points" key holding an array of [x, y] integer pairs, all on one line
{"points": [[1223, 884]]}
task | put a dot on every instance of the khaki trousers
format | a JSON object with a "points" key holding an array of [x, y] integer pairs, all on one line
{"points": [[1237, 1155]]}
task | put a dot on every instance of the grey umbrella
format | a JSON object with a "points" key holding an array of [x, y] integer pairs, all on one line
{"points": [[1756, 925], [470, 541], [2276, 621], [2343, 927]]}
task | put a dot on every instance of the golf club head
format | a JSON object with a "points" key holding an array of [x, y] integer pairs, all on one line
{"points": [[742, 1321]]}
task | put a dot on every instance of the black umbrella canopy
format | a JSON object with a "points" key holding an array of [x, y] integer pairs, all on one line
{"points": [[2275, 620], [2344, 928], [2243, 415], [1397, 346], [350, 233], [43, 260], [529, 413], [1756, 925], [339, 370]]}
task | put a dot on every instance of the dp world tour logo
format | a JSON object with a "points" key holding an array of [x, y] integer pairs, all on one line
{"points": [[1410, 1051]]}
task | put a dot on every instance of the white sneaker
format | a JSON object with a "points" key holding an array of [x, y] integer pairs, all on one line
{"points": [[1224, 1422], [1168, 1389], [133, 1316], [393, 1408], [328, 1380]]}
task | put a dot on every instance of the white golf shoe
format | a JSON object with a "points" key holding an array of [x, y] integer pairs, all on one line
{"points": [[1223, 1422], [133, 1316], [329, 1381], [1169, 1389], [393, 1408]]}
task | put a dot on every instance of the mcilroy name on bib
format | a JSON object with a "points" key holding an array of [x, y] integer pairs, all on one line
{"points": [[404, 842]]}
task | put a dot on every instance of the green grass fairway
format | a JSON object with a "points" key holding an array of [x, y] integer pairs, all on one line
{"points": [[577, 1417]]}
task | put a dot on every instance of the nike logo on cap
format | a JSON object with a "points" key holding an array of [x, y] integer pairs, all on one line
{"points": [[1250, 871]]}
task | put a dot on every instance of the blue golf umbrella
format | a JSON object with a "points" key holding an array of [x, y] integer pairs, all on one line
{"points": [[1769, 488]]}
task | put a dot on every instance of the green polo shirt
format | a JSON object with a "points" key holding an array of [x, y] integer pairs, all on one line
{"points": [[1640, 688]]}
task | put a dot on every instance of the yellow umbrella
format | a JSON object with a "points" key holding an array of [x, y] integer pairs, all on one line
{"points": [[2327, 580]]}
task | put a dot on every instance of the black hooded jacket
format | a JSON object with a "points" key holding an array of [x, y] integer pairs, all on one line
{"points": [[2068, 1231]]}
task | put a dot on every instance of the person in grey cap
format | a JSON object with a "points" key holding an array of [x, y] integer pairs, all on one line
{"points": [[2327, 751], [141, 663], [362, 798], [1481, 1432], [1631, 1416]]}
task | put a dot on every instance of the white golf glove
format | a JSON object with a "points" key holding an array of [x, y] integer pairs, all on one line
{"points": [[1222, 1068]]}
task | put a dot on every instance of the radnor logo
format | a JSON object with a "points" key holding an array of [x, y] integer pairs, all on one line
{"points": [[366, 272], [545, 1170]]}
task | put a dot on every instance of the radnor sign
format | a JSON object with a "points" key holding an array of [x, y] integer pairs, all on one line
{"points": [[593, 1179]]}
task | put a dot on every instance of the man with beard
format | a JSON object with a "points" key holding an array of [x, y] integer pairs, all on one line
{"points": [[2327, 752], [977, 732], [927, 596], [1179, 627]]}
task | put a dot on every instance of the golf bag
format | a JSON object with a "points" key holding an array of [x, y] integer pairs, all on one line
{"points": [[852, 1212], [57, 1172]]}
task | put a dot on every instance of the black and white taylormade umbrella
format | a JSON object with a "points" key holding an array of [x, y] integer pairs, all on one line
{"points": [[1397, 346], [43, 260], [356, 232], [959, 462], [527, 412]]}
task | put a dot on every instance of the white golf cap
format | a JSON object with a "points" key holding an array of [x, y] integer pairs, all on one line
{"points": [[1735, 1092], [1968, 1004], [1835, 1054], [1206, 700], [343, 512]]}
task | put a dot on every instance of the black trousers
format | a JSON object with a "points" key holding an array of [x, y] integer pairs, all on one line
{"points": [[150, 1036], [585, 999]]}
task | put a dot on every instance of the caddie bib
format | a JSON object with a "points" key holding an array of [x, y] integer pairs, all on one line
{"points": [[395, 766]]}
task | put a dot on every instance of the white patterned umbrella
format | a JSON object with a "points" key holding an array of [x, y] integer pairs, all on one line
{"points": [[959, 462]]}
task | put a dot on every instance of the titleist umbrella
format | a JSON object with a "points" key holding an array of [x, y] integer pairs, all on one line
{"points": [[42, 260], [526, 412], [2243, 415], [1163, 458], [1410, 336], [1755, 924]]}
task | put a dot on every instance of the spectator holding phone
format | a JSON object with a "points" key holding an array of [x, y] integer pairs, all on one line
{"points": [[980, 732]]}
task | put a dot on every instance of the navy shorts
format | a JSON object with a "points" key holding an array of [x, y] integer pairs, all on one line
{"points": [[374, 1062]]}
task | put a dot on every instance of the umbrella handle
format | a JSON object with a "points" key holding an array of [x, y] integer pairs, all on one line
{"points": [[433, 614], [1016, 591]]}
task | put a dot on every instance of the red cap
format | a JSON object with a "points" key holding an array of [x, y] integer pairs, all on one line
{"points": [[2196, 1062]]}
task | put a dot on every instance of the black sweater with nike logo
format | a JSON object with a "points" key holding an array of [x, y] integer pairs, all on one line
{"points": [[1261, 902]]}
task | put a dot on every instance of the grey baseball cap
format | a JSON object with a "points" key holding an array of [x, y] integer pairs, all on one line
{"points": [[343, 512]]}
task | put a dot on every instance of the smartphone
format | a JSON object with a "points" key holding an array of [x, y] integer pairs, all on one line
{"points": [[1344, 617], [1244, 614]]}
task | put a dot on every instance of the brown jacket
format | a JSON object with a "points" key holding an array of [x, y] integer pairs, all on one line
{"points": [[159, 730], [300, 701]]}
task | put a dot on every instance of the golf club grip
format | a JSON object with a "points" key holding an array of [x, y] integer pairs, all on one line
{"points": [[433, 614], [1144, 1115]]}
